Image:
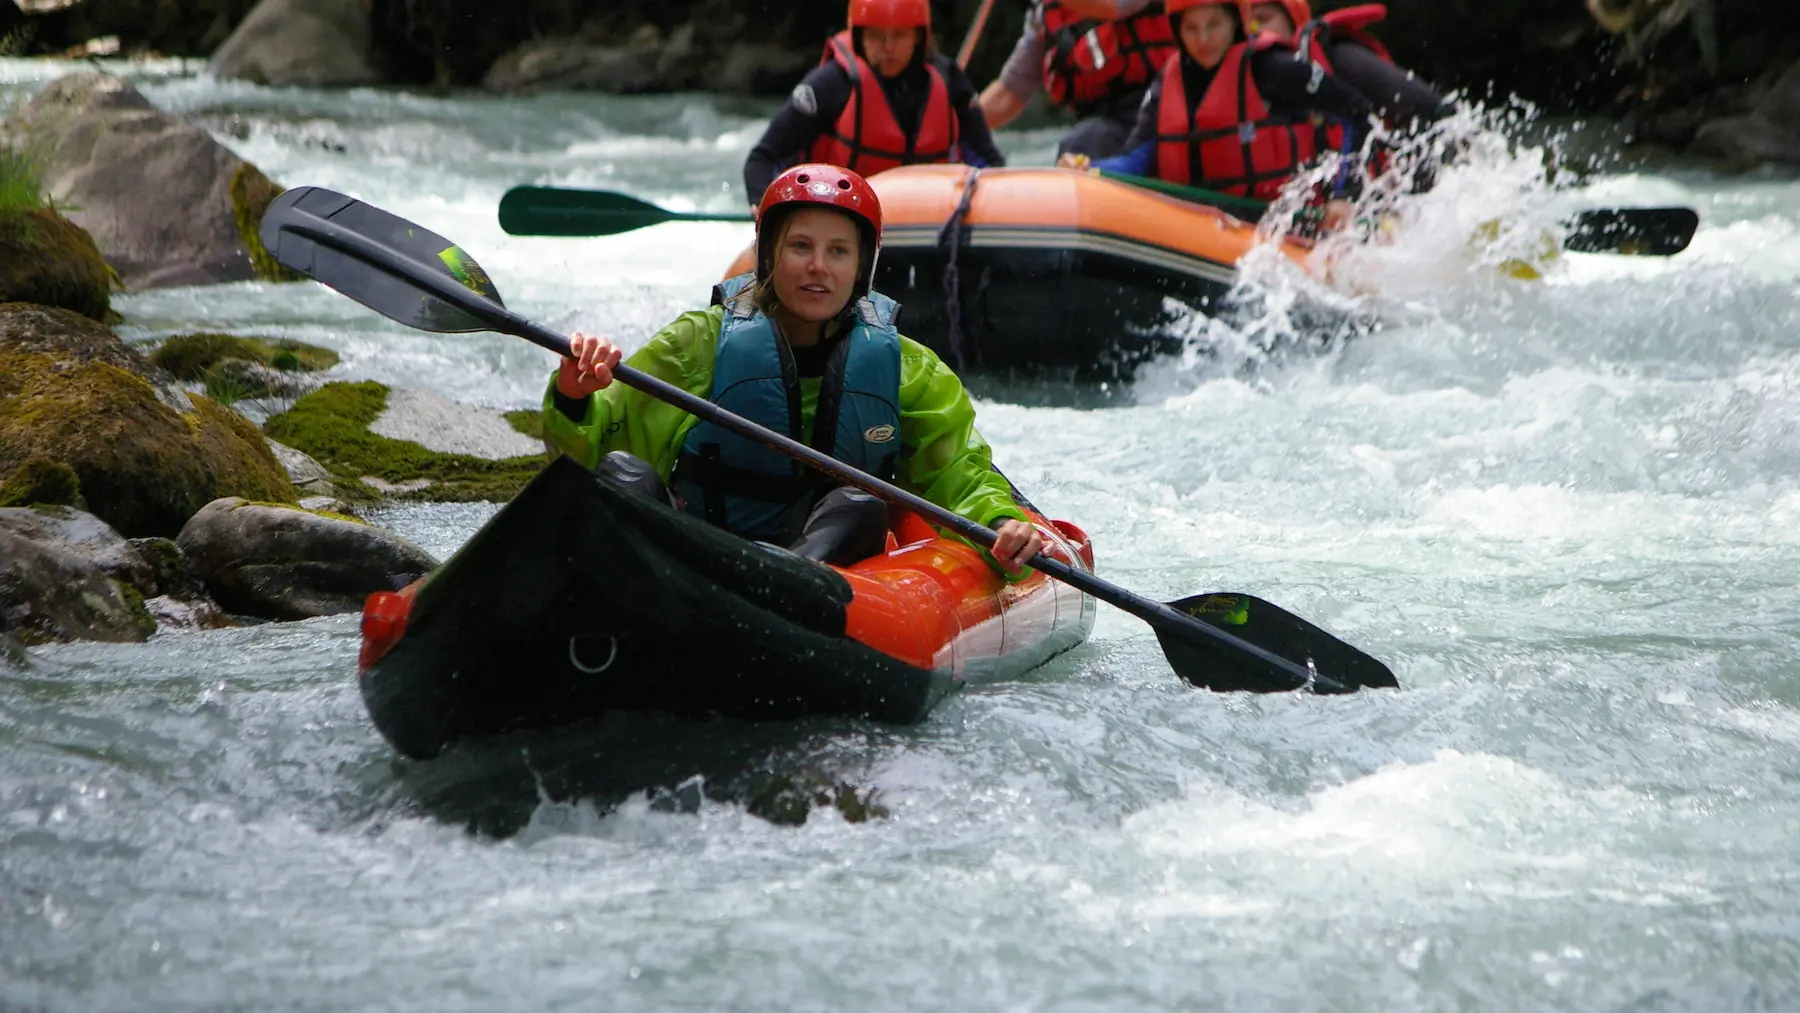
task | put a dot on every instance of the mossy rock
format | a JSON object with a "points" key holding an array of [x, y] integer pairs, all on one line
{"points": [[251, 194], [332, 423], [40, 481], [143, 466], [49, 260], [528, 421], [190, 356]]}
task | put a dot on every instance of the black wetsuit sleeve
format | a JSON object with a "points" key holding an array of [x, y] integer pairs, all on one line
{"points": [[1302, 86], [1403, 100], [976, 135], [811, 109], [1143, 129]]}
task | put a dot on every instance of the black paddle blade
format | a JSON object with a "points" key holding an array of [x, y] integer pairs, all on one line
{"points": [[1337, 667], [1643, 232], [377, 289]]}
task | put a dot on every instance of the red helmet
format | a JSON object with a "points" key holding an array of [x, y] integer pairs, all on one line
{"points": [[818, 185], [890, 14], [1298, 11], [1174, 8]]}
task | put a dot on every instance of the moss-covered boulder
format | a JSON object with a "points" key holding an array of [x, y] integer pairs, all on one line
{"points": [[40, 482], [64, 575], [278, 562], [49, 260], [332, 425], [166, 204], [147, 456], [190, 356]]}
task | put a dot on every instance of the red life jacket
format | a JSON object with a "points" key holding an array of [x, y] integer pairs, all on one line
{"points": [[1348, 25], [1088, 61], [1229, 141], [867, 139]]}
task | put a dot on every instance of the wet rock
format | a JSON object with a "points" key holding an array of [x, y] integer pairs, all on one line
{"points": [[309, 477], [191, 356], [309, 43], [278, 562], [755, 68], [1770, 132], [170, 573], [57, 589], [577, 64], [12, 652], [48, 260], [147, 455], [165, 203], [82, 534]]}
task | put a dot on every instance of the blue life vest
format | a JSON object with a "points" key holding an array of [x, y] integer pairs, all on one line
{"points": [[750, 490]]}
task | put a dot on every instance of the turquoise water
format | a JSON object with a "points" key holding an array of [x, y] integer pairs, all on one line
{"points": [[1562, 511]]}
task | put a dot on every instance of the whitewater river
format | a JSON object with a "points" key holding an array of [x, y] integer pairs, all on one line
{"points": [[1563, 511]]}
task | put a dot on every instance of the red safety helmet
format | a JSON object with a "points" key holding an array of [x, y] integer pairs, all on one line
{"points": [[1174, 8], [1298, 11], [816, 184], [890, 14]]}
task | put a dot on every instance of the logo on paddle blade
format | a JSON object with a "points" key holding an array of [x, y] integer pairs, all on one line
{"points": [[464, 269], [879, 434], [1224, 608]]}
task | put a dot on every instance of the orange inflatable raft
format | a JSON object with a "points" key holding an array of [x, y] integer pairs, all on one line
{"points": [[1047, 270]]}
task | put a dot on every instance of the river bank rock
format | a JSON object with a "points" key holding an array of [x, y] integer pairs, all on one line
{"points": [[64, 575], [231, 368], [433, 449], [146, 454], [49, 260], [308, 43], [1768, 132], [165, 203], [279, 562]]}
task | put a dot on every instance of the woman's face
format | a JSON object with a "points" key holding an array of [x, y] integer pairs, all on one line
{"points": [[889, 50], [1273, 19], [816, 264], [1207, 32]]}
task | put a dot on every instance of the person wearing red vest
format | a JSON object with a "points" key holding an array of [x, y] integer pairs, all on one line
{"points": [[881, 98], [1094, 58], [1232, 114], [1340, 42]]}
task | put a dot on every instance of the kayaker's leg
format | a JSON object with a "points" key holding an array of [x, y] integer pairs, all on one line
{"points": [[846, 525], [634, 474], [1097, 136]]}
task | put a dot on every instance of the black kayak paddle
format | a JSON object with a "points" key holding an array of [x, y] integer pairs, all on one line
{"points": [[1217, 641], [559, 211]]}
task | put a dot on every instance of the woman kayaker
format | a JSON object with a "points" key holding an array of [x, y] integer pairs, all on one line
{"points": [[802, 346], [883, 97], [1340, 42], [1234, 114]]}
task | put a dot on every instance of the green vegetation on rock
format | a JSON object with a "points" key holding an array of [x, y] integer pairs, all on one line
{"points": [[251, 193], [190, 356], [21, 181], [529, 421], [143, 467], [332, 423], [134, 606], [47, 259], [40, 481]]}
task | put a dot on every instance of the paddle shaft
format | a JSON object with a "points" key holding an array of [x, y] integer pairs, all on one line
{"points": [[974, 37], [505, 321]]}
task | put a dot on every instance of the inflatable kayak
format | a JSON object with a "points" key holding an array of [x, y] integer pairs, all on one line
{"points": [[1048, 270], [579, 598]]}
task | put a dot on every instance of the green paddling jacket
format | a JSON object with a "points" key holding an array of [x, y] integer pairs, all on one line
{"points": [[942, 457]]}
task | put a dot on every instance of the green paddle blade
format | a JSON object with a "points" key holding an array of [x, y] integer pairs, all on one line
{"points": [[557, 211], [285, 232], [1643, 232], [1340, 668]]}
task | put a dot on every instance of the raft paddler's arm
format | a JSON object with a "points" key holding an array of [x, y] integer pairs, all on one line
{"points": [[943, 458], [624, 418], [977, 141]]}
